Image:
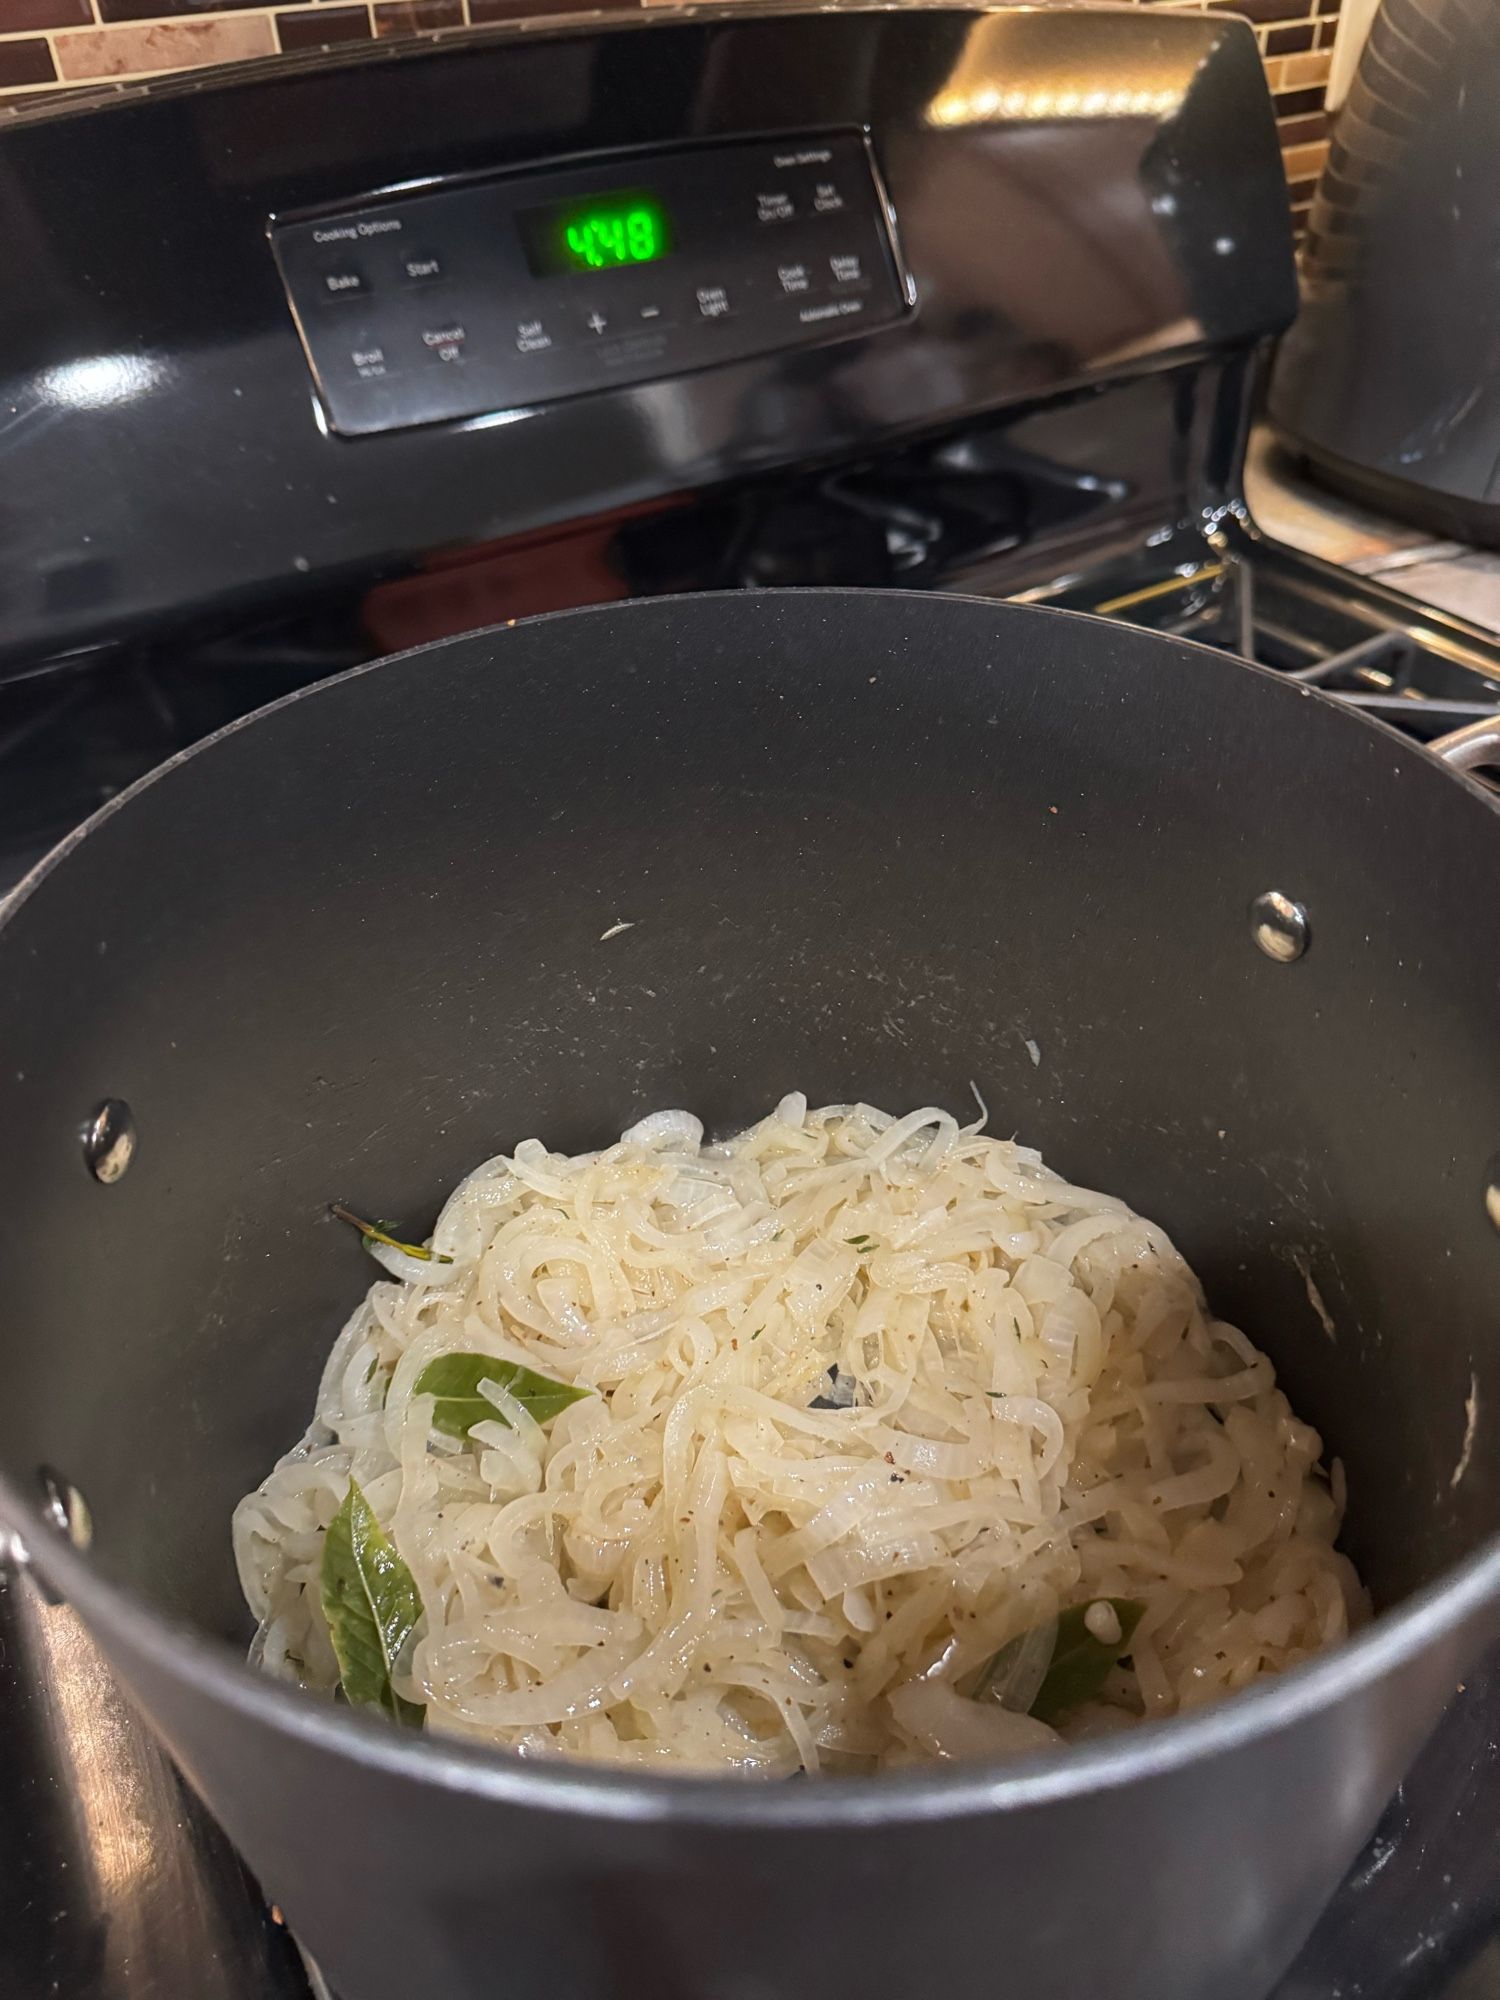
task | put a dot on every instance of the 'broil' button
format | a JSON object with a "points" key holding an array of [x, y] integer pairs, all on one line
{"points": [[344, 283], [445, 343]]}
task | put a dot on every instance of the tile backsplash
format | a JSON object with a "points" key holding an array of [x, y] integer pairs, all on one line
{"points": [[52, 45]]}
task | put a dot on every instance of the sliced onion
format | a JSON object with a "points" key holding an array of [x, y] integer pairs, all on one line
{"points": [[945, 1725]]}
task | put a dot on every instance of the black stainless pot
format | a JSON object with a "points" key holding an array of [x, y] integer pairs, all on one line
{"points": [[869, 846]]}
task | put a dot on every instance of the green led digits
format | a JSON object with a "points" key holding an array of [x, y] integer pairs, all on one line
{"points": [[600, 239]]}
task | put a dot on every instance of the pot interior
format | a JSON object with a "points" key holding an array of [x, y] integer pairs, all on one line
{"points": [[868, 846]]}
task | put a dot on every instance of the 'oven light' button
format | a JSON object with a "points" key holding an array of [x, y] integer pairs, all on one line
{"points": [[713, 302], [846, 270], [421, 267], [445, 343], [344, 283]]}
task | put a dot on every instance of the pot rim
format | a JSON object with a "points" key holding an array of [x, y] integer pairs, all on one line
{"points": [[215, 1671]]}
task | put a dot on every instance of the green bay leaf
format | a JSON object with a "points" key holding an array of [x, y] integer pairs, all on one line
{"points": [[1080, 1662], [372, 1605], [454, 1379]]}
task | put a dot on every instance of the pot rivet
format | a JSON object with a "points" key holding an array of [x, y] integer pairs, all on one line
{"points": [[1492, 1189], [1279, 926], [65, 1507], [109, 1140]]}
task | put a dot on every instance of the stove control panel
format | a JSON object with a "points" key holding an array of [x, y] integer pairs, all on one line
{"points": [[489, 295]]}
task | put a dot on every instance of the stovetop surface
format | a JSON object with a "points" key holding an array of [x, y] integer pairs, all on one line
{"points": [[119, 1887]]}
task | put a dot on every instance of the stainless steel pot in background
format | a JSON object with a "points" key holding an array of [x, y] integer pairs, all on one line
{"points": [[869, 846]]}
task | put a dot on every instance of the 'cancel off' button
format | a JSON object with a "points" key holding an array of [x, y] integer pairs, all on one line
{"points": [[445, 343]]}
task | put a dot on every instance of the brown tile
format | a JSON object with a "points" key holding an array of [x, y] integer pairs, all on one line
{"points": [[1301, 72], [1301, 191], [1328, 9], [1298, 131], [1305, 162], [1290, 41], [1263, 10], [151, 10], [26, 62], [320, 27], [1294, 103], [485, 11], [17, 16], [411, 17], [146, 48]]}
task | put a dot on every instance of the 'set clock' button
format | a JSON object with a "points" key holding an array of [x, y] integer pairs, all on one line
{"points": [[826, 198]]}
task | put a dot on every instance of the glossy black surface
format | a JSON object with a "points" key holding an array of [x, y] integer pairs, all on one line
{"points": [[463, 300], [163, 458]]}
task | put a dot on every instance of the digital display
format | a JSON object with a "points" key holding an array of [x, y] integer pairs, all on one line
{"points": [[600, 232]]}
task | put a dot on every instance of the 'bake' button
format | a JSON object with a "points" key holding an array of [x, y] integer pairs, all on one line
{"points": [[777, 206], [713, 301], [532, 337], [793, 277], [846, 270], [445, 343], [344, 283], [368, 363], [826, 198], [421, 268]]}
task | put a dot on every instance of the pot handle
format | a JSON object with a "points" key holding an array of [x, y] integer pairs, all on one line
{"points": [[1472, 747]]}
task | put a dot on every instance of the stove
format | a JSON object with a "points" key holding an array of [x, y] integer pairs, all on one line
{"points": [[1043, 394]]}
